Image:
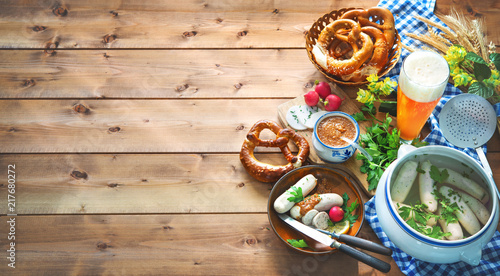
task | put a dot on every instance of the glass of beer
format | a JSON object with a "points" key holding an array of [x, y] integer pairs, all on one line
{"points": [[421, 84]]}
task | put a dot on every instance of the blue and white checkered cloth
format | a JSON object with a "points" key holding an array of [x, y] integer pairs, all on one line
{"points": [[403, 11]]}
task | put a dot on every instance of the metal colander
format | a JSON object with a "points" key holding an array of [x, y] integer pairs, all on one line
{"points": [[469, 121]]}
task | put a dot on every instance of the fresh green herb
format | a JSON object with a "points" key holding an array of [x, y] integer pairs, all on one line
{"points": [[417, 218], [297, 243], [296, 195], [437, 175], [348, 209], [382, 142], [419, 170], [448, 209]]}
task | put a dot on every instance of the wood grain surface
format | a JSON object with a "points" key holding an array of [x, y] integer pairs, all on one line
{"points": [[124, 120]]}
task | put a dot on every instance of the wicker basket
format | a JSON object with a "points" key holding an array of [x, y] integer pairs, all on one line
{"points": [[322, 22]]}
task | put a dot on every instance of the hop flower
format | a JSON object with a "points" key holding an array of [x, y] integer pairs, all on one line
{"points": [[387, 87], [462, 79], [455, 54], [365, 96]]}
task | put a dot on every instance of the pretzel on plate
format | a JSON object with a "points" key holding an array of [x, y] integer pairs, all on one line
{"points": [[336, 66], [266, 172]]}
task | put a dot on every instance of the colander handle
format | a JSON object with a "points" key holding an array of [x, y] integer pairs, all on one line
{"points": [[484, 161]]}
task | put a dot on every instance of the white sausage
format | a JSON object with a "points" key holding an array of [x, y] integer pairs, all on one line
{"points": [[453, 228], [466, 184], [426, 187], [466, 217], [404, 181], [308, 217], [307, 183], [477, 207], [320, 221], [327, 201]]}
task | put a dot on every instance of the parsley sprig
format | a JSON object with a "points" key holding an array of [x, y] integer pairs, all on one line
{"points": [[348, 209], [417, 217], [297, 243], [382, 142], [296, 195], [437, 175]]}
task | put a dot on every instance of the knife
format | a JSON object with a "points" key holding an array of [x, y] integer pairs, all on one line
{"points": [[359, 242], [327, 240]]}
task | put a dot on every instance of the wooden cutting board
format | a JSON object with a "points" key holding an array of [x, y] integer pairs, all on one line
{"points": [[348, 106]]}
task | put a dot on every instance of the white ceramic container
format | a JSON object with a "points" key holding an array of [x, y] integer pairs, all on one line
{"points": [[419, 245], [334, 154]]}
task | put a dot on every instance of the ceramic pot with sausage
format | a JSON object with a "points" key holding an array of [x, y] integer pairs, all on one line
{"points": [[467, 248]]}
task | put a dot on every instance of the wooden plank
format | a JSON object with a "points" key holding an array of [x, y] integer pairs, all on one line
{"points": [[140, 183], [169, 24], [156, 74], [118, 126], [210, 244], [133, 183], [181, 24]]}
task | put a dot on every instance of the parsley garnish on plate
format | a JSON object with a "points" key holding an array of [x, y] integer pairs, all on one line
{"points": [[297, 243], [296, 195], [348, 209]]}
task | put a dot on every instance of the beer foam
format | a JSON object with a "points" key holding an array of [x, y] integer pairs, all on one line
{"points": [[424, 76]]}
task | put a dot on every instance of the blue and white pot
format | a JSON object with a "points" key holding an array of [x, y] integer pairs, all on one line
{"points": [[418, 245], [333, 154]]}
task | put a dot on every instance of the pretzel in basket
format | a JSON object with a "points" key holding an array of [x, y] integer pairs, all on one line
{"points": [[378, 59], [266, 172], [333, 31], [371, 16]]}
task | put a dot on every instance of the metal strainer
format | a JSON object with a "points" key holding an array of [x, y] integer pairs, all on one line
{"points": [[469, 121]]}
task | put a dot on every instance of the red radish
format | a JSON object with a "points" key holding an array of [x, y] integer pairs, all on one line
{"points": [[336, 214], [323, 89], [311, 98], [333, 102]]}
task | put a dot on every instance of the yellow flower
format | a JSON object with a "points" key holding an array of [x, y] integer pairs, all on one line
{"points": [[365, 96]]}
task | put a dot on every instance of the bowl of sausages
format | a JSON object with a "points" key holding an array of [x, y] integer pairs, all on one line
{"points": [[308, 194], [437, 204], [348, 45]]}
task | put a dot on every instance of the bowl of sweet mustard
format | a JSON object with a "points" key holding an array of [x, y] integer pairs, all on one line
{"points": [[331, 134]]}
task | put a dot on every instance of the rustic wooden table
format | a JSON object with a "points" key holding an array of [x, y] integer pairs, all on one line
{"points": [[123, 121]]}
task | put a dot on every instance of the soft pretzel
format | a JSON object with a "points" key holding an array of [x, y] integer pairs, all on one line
{"points": [[371, 16], [266, 172], [378, 59], [346, 66]]}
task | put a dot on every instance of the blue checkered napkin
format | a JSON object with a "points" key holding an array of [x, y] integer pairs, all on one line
{"points": [[489, 264], [403, 12]]}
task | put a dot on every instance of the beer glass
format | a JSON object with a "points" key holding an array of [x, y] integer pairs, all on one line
{"points": [[421, 84]]}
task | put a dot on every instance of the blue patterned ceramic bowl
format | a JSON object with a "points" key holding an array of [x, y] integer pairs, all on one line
{"points": [[334, 154]]}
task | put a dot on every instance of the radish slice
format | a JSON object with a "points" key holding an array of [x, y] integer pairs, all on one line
{"points": [[305, 113], [292, 118], [311, 122]]}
